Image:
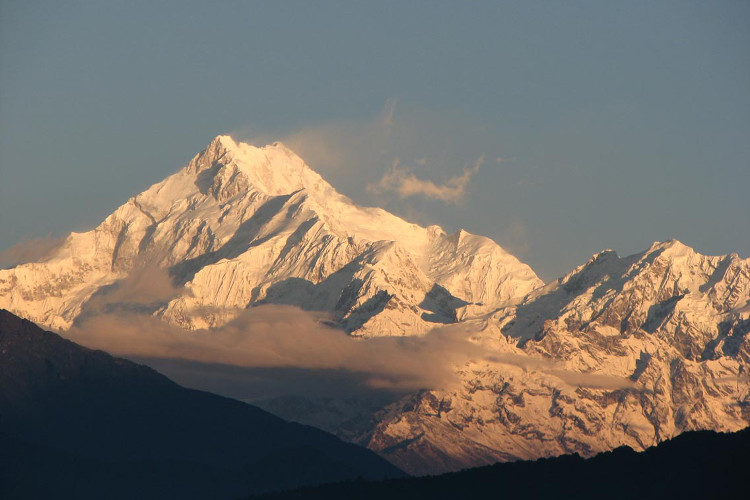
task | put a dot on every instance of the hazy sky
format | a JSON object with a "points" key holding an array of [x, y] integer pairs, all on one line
{"points": [[618, 123]]}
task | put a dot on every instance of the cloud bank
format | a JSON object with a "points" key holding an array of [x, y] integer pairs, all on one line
{"points": [[273, 336], [119, 319], [558, 370], [276, 341]]}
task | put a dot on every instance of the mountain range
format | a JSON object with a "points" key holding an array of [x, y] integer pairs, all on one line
{"points": [[621, 351]]}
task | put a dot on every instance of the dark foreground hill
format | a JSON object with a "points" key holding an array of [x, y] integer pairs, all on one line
{"points": [[702, 464], [77, 423]]}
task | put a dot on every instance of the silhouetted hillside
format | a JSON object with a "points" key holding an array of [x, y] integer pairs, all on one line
{"points": [[702, 464], [77, 423]]}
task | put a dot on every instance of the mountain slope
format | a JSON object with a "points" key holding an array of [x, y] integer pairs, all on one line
{"points": [[241, 225], [60, 401], [621, 351], [701, 464]]}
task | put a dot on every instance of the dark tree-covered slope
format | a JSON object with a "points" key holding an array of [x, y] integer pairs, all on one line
{"points": [[700, 464], [77, 423]]}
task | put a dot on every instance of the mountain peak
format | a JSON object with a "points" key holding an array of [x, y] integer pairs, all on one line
{"points": [[273, 169], [672, 245], [224, 141]]}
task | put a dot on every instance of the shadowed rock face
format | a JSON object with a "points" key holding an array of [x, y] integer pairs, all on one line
{"points": [[69, 411]]}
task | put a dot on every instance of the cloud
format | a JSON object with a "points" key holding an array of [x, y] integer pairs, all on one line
{"points": [[340, 149], [147, 283], [515, 236], [31, 250], [257, 384], [363, 158], [144, 290], [557, 369], [290, 340], [405, 184], [272, 336], [593, 380], [283, 343], [389, 111]]}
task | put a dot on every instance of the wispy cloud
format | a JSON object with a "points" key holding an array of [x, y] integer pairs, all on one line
{"points": [[31, 250], [146, 284], [339, 149], [558, 370], [367, 158], [405, 184], [514, 236], [389, 111]]}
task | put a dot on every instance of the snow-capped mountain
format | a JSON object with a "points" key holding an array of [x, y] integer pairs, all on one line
{"points": [[241, 225], [621, 351]]}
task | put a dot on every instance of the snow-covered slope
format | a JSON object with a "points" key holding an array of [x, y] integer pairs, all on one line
{"points": [[241, 225], [620, 351]]}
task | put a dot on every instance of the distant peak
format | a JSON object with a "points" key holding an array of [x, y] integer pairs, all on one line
{"points": [[599, 259], [225, 143], [605, 254], [224, 140], [228, 142], [218, 147], [672, 245]]}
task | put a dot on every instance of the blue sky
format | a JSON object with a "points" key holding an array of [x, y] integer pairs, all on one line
{"points": [[618, 123]]}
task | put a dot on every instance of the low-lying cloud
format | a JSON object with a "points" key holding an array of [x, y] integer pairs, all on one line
{"points": [[120, 320], [405, 184], [558, 370], [275, 336]]}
